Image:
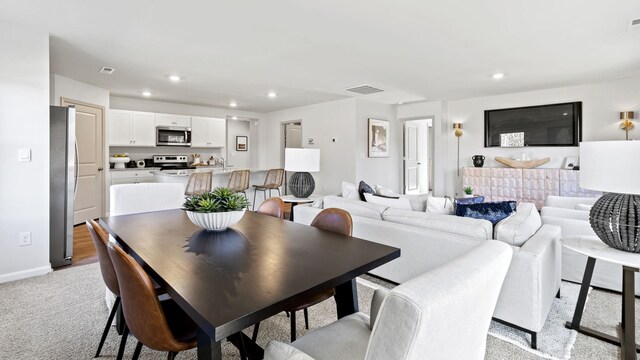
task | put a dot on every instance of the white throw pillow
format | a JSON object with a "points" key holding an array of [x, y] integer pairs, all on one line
{"points": [[439, 205], [399, 203], [520, 226], [349, 191], [584, 207], [384, 191]]}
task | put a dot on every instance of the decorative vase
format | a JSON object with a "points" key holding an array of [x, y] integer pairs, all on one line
{"points": [[467, 195], [216, 221], [478, 160]]}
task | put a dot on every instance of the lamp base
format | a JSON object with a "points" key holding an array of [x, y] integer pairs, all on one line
{"points": [[615, 218], [301, 185]]}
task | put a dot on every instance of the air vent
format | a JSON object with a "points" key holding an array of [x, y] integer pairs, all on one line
{"points": [[634, 25], [635, 22], [107, 70], [364, 89]]}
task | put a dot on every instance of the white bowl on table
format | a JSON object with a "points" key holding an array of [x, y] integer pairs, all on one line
{"points": [[216, 221]]}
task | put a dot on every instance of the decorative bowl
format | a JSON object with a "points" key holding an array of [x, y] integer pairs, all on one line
{"points": [[216, 221]]}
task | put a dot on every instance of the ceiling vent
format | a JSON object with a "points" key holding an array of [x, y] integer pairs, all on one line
{"points": [[364, 89], [107, 70], [634, 25]]}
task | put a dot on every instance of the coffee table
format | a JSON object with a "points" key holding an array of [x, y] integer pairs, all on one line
{"points": [[228, 281]]}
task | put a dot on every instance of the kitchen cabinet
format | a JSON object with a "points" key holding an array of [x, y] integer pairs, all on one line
{"points": [[131, 128], [131, 177], [173, 120], [208, 132]]}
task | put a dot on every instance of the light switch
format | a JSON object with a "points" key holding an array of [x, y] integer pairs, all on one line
{"points": [[24, 155]]}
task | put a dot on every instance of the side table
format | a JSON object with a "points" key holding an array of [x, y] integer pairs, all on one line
{"points": [[295, 201], [595, 249]]}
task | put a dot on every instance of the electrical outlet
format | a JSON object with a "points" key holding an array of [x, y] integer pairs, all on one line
{"points": [[334, 140], [24, 239]]}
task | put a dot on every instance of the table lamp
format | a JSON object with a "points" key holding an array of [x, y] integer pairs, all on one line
{"points": [[613, 167], [301, 162]]}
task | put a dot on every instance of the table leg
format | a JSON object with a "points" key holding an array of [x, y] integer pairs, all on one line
{"points": [[208, 348], [291, 215], [628, 338], [346, 298], [582, 298]]}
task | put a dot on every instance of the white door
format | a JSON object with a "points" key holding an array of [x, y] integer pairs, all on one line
{"points": [[292, 139], [88, 201], [416, 169]]}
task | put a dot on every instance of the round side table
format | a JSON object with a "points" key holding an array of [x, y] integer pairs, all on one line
{"points": [[595, 249], [295, 201]]}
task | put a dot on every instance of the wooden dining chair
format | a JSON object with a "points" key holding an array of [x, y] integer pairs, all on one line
{"points": [[273, 207], [162, 326], [239, 181], [273, 181], [199, 183], [100, 239]]}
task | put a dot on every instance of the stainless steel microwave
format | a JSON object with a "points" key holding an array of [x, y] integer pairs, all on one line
{"points": [[173, 136]]}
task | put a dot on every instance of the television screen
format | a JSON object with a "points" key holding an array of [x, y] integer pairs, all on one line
{"points": [[544, 125]]}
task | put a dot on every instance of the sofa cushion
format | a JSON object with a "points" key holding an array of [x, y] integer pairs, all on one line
{"points": [[418, 201], [349, 191], [364, 188], [448, 223], [439, 205], [396, 203], [355, 207], [548, 211], [519, 227], [584, 207], [491, 211], [567, 202]]}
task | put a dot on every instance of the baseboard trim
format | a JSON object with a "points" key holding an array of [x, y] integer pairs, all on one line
{"points": [[19, 275]]}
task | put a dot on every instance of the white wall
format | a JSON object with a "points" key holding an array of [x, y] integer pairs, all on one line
{"points": [[24, 124], [601, 104], [323, 122], [63, 87], [377, 171], [239, 159]]}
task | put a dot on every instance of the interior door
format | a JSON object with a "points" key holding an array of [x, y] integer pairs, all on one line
{"points": [[416, 157], [292, 139], [89, 122]]}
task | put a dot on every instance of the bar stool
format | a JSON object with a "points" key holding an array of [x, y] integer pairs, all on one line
{"points": [[239, 181], [273, 181], [199, 183]]}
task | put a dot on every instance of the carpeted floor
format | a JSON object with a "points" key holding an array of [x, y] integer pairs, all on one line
{"points": [[61, 316]]}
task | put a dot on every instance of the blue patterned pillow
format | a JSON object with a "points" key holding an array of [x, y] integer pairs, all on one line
{"points": [[469, 200], [492, 211]]}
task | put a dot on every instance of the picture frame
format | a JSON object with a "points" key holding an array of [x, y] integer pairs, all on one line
{"points": [[570, 162], [379, 138], [242, 143]]}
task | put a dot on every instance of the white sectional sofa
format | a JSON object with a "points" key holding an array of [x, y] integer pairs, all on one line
{"points": [[572, 215], [430, 240]]}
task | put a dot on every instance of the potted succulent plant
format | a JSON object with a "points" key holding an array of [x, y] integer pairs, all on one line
{"points": [[215, 210], [468, 191]]}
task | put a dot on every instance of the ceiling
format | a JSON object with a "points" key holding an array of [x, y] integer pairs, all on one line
{"points": [[310, 51]]}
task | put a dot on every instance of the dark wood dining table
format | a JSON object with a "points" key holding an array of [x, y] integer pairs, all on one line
{"points": [[227, 281]]}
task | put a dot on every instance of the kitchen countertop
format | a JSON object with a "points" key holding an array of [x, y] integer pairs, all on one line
{"points": [[216, 171], [136, 169]]}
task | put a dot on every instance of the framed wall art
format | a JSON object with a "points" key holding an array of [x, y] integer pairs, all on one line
{"points": [[242, 143], [379, 138]]}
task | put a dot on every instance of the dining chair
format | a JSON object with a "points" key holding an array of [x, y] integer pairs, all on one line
{"points": [[272, 181], [199, 183], [273, 207], [442, 314], [239, 181], [100, 239], [161, 326]]}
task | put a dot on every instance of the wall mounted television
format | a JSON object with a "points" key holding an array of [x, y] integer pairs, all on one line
{"points": [[542, 125]]}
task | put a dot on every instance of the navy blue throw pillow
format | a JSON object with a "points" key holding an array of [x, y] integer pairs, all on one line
{"points": [[364, 188], [470, 200], [492, 211]]}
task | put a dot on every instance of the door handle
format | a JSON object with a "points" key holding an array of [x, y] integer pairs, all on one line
{"points": [[419, 163], [100, 169]]}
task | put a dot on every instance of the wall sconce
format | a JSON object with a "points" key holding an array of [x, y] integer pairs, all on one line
{"points": [[626, 124], [458, 132]]}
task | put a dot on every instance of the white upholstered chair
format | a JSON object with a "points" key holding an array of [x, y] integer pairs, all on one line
{"points": [[442, 314], [137, 198]]}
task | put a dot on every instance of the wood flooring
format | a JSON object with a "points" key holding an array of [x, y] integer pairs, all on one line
{"points": [[84, 252]]}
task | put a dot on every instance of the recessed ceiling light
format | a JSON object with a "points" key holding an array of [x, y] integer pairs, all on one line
{"points": [[233, 104], [146, 93], [174, 78], [272, 94], [565, 114], [497, 76], [235, 118], [400, 102]]}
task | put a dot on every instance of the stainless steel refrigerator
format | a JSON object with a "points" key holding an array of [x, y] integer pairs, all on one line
{"points": [[63, 183]]}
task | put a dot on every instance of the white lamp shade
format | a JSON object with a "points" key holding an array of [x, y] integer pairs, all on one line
{"points": [[302, 160], [610, 166]]}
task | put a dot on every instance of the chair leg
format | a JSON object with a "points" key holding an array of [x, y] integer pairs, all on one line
{"points": [[136, 352], [114, 310], [293, 326], [255, 191], [286, 312], [123, 342], [306, 318], [254, 337], [534, 340], [172, 355], [558, 294], [279, 192]]}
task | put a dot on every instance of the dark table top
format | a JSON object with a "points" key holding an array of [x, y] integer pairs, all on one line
{"points": [[227, 281]]}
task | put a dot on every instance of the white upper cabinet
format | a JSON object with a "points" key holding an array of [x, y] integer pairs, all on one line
{"points": [[208, 132], [173, 120], [131, 128]]}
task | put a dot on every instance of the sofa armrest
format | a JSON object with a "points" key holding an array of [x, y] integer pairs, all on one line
{"points": [[549, 211], [376, 304], [533, 280], [570, 227], [277, 350], [305, 213]]}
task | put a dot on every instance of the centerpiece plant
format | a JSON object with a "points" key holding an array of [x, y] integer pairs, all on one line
{"points": [[216, 210]]}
